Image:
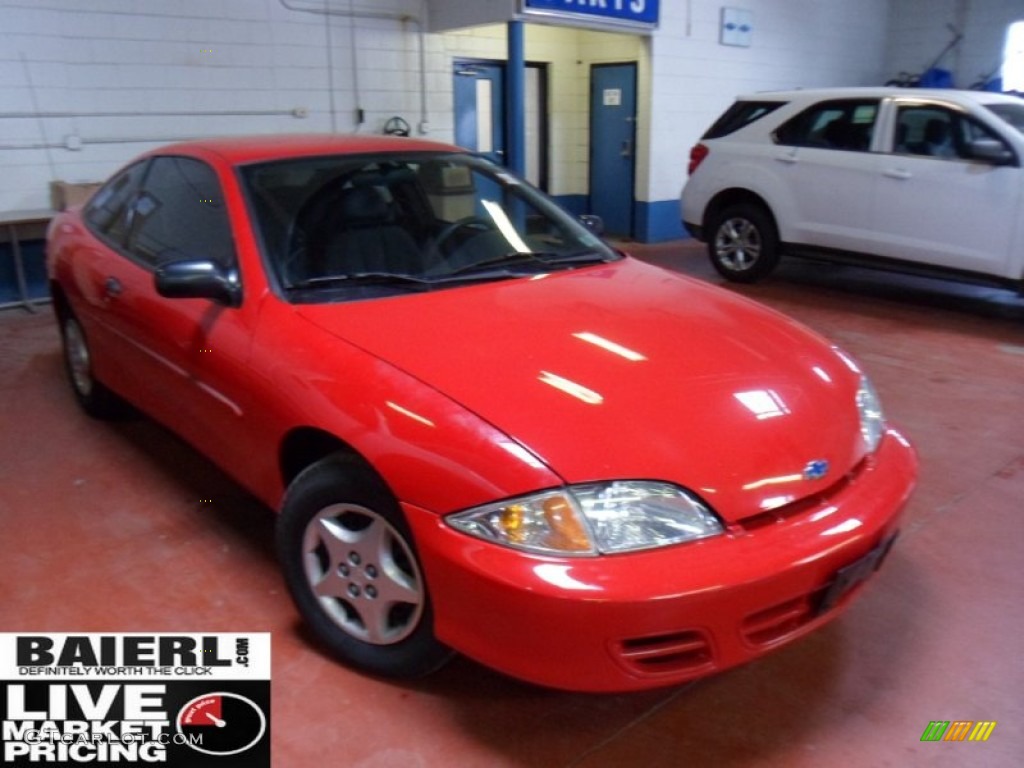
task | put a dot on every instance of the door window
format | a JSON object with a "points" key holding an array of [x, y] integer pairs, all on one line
{"points": [[846, 125], [106, 212], [934, 131], [180, 214]]}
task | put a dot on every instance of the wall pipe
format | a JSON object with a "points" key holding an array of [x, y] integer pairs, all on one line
{"points": [[353, 13], [297, 112]]}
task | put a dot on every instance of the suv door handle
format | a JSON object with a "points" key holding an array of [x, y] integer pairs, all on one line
{"points": [[788, 157], [897, 173], [112, 286]]}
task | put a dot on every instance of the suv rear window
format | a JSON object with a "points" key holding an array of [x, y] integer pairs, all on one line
{"points": [[846, 124], [739, 115]]}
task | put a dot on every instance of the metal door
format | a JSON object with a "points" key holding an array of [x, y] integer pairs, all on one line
{"points": [[480, 108], [612, 145]]}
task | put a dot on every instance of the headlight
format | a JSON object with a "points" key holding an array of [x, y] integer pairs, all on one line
{"points": [[594, 518], [872, 420]]}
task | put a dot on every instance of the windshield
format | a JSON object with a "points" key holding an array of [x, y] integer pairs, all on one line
{"points": [[356, 226], [1011, 113]]}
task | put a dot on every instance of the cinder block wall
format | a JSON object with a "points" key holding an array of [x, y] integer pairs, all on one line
{"points": [[85, 86]]}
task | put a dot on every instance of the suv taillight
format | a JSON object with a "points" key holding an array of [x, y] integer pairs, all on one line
{"points": [[697, 155]]}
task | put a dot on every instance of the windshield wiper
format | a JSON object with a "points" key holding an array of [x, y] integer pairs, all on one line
{"points": [[543, 258], [577, 257], [481, 270], [361, 278], [506, 259]]}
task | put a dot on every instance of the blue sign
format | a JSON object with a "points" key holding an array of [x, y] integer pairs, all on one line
{"points": [[631, 12]]}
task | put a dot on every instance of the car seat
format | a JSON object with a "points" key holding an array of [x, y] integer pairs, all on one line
{"points": [[366, 237], [837, 134], [937, 138]]}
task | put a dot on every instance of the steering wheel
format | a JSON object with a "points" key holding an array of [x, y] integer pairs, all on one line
{"points": [[397, 126], [467, 222]]}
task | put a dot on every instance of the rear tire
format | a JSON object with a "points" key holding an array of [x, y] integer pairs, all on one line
{"points": [[743, 243], [351, 566]]}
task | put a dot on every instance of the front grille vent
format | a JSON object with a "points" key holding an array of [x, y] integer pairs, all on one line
{"points": [[673, 653]]}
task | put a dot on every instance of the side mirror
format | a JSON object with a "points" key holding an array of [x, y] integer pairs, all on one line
{"points": [[990, 151], [198, 279], [594, 223]]}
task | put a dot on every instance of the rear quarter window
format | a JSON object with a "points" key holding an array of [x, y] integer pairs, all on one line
{"points": [[740, 115]]}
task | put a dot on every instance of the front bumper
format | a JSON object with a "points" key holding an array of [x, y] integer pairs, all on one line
{"points": [[662, 617]]}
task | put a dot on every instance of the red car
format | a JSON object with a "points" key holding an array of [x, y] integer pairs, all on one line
{"points": [[486, 430]]}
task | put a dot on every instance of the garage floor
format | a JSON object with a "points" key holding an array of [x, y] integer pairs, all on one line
{"points": [[121, 527]]}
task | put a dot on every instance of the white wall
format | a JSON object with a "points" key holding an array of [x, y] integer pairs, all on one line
{"points": [[917, 34], [127, 75]]}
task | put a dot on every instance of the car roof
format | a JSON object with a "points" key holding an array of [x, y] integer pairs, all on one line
{"points": [[816, 94], [240, 150]]}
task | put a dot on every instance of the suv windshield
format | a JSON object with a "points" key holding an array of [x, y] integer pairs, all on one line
{"points": [[1011, 113], [360, 226]]}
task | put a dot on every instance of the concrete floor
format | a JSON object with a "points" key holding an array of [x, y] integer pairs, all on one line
{"points": [[121, 527]]}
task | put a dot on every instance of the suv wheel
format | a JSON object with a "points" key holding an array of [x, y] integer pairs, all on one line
{"points": [[743, 244]]}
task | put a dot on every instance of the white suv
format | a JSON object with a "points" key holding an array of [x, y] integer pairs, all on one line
{"points": [[914, 180]]}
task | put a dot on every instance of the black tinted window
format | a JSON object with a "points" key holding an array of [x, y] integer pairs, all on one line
{"points": [[105, 213], [180, 214], [844, 125], [740, 114]]}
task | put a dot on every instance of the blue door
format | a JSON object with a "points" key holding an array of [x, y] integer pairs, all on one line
{"points": [[612, 145], [479, 108]]}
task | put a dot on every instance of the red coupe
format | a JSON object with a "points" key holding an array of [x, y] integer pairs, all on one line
{"points": [[486, 430]]}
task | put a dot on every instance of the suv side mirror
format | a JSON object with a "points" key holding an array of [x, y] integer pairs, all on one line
{"points": [[198, 279], [990, 151]]}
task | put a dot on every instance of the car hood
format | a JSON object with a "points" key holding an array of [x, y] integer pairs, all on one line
{"points": [[625, 370]]}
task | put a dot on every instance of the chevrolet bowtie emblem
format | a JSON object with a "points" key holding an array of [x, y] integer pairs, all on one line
{"points": [[815, 470]]}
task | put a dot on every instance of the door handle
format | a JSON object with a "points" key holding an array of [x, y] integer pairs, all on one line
{"points": [[897, 173], [112, 286], [627, 149], [789, 157]]}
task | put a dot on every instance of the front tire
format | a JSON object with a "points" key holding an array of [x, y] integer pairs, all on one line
{"points": [[351, 567], [743, 243], [93, 397]]}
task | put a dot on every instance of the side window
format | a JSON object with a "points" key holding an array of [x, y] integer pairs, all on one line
{"points": [[925, 130], [106, 212], [934, 131], [968, 130], [180, 214], [847, 125]]}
